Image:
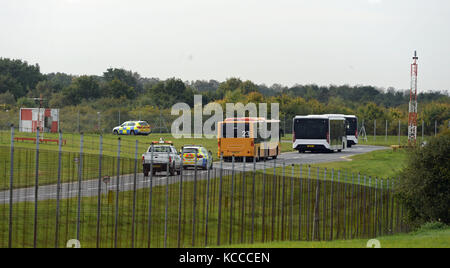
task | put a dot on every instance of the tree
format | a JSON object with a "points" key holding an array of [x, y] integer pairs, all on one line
{"points": [[83, 87], [248, 86], [7, 98], [167, 93], [117, 89], [20, 74], [10, 84], [126, 77], [424, 185]]}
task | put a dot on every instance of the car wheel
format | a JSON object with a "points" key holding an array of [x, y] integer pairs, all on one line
{"points": [[132, 133], [116, 132]]}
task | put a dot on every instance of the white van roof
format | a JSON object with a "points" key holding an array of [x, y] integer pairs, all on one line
{"points": [[320, 116]]}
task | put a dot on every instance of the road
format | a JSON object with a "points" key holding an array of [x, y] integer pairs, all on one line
{"points": [[126, 182]]}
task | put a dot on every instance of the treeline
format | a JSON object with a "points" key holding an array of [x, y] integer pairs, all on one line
{"points": [[126, 91]]}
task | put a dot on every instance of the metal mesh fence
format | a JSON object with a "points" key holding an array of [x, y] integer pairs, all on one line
{"points": [[48, 198]]}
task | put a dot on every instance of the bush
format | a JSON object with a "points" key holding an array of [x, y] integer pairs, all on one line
{"points": [[432, 226], [424, 186]]}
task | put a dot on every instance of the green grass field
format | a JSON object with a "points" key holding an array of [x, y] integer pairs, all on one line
{"points": [[381, 164], [420, 239]]}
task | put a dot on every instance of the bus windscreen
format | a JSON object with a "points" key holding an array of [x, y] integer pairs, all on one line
{"points": [[236, 130], [311, 128]]}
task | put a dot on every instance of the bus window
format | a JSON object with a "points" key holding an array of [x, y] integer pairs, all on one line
{"points": [[352, 126], [311, 128]]}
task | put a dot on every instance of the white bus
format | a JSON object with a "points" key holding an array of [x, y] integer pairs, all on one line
{"points": [[319, 133]]}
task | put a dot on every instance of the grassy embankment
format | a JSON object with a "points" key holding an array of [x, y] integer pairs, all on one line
{"points": [[380, 164], [423, 238]]}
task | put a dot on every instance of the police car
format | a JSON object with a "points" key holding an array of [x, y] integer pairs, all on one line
{"points": [[191, 153], [132, 128]]}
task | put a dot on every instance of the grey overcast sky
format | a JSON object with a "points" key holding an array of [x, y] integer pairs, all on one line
{"points": [[368, 42]]}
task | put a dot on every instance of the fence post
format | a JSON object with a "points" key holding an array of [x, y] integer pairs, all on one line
{"points": [[332, 204], [150, 196], [351, 206], [375, 130], [423, 128], [166, 207], [364, 205], [133, 217], [253, 198], [219, 219], [243, 201], [116, 220], [324, 214], [283, 187], [36, 189], [345, 205], [180, 199], [385, 139], [392, 209], [263, 224], [358, 216], [58, 189], [99, 190], [316, 209], [207, 203], [230, 240], [308, 205], [380, 228], [11, 185], [194, 209], [80, 178], [274, 192], [291, 212], [435, 128], [338, 201], [300, 196], [375, 222], [399, 130]]}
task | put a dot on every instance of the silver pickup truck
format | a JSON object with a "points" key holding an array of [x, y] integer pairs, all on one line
{"points": [[161, 156]]}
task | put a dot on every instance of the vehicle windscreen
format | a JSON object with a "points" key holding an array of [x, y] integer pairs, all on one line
{"points": [[143, 123], [352, 126], [160, 149], [311, 128], [190, 150], [236, 130]]}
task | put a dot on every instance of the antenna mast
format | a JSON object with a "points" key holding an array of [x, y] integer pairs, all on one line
{"points": [[412, 122]]}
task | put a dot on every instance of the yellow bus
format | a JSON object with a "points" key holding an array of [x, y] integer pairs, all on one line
{"points": [[241, 137]]}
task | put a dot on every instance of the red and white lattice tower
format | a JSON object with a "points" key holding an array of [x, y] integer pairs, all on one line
{"points": [[412, 122]]}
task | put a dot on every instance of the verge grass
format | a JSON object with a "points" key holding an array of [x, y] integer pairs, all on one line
{"points": [[420, 239]]}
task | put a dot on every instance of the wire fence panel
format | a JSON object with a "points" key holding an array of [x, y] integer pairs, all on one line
{"points": [[106, 201]]}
